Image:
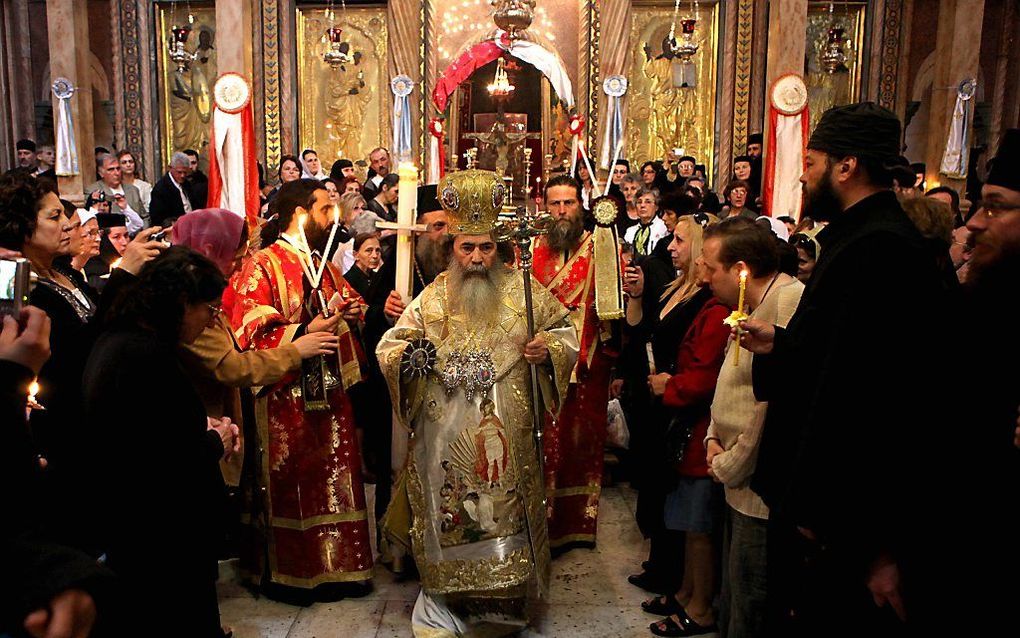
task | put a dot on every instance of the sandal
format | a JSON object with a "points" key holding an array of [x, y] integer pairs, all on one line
{"points": [[662, 606], [686, 626]]}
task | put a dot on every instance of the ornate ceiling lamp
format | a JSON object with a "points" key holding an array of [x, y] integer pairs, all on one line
{"points": [[686, 48], [500, 86], [833, 56], [179, 37], [338, 52], [513, 16]]}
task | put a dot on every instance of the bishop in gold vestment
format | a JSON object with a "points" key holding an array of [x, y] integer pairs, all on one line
{"points": [[457, 366]]}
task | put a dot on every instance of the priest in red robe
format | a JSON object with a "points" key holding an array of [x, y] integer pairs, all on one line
{"points": [[565, 263], [309, 521]]}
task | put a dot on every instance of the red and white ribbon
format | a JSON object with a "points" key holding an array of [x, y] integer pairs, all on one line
{"points": [[437, 151]]}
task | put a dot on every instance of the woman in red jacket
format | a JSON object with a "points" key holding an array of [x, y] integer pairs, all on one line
{"points": [[690, 507]]}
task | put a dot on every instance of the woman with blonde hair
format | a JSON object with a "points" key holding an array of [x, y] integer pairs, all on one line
{"points": [[352, 206], [661, 318]]}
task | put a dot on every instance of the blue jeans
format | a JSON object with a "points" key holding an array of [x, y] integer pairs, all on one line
{"points": [[744, 577]]}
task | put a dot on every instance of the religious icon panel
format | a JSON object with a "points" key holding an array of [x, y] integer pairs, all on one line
{"points": [[186, 54], [835, 37], [344, 104], [672, 105]]}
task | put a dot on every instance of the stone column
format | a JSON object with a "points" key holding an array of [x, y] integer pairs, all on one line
{"points": [[787, 42], [956, 59], [234, 31], [406, 57], [614, 59], [68, 24]]}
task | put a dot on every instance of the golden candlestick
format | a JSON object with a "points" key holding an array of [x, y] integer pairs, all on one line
{"points": [[527, 175]]}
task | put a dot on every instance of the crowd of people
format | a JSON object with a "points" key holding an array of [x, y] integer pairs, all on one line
{"points": [[801, 394]]}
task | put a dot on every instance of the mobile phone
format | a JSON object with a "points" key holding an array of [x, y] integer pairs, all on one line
{"points": [[160, 236], [679, 152], [15, 282]]}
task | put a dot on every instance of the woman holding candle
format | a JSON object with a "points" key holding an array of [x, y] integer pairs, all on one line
{"points": [[692, 507], [33, 222], [660, 315]]}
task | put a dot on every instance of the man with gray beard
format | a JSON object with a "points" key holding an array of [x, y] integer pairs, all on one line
{"points": [[457, 365], [565, 263], [432, 249]]}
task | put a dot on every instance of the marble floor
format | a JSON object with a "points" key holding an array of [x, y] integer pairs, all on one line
{"points": [[589, 594]]}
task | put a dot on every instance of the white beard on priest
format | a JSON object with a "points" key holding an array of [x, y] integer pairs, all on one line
{"points": [[471, 503]]}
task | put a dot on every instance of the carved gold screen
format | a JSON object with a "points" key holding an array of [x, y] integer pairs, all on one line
{"points": [[343, 112], [843, 87], [185, 97], [661, 117]]}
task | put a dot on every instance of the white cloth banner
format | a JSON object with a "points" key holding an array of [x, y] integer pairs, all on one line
{"points": [[67, 147], [229, 147], [956, 157], [786, 192], [545, 61]]}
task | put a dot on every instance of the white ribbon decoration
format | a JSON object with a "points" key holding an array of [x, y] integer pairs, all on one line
{"points": [[434, 169], [67, 147], [229, 148], [613, 139], [957, 154], [786, 193], [401, 122]]}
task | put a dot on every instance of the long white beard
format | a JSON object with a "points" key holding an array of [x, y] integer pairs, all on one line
{"points": [[474, 291]]}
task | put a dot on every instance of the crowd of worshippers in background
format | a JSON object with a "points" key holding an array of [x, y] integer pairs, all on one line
{"points": [[811, 482]]}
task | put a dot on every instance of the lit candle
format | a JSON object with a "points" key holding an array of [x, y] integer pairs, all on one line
{"points": [[329, 243], [740, 310], [116, 264], [33, 403], [305, 258]]}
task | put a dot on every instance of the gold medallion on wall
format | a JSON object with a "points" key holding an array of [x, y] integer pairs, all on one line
{"points": [[344, 112], [662, 116], [826, 90], [185, 92]]}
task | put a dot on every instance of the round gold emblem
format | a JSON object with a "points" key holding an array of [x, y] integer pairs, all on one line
{"points": [[232, 93], [789, 94]]}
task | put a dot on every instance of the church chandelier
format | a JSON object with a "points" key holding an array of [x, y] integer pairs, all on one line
{"points": [[500, 86], [686, 48], [338, 53], [833, 55]]}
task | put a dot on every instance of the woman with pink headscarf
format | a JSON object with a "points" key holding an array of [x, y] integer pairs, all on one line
{"points": [[221, 372]]}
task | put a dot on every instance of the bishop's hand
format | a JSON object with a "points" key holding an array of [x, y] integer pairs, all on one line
{"points": [[536, 351]]}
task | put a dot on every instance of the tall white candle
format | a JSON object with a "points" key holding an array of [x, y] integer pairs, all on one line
{"points": [[407, 204]]}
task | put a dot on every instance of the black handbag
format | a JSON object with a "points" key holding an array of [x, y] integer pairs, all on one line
{"points": [[679, 432]]}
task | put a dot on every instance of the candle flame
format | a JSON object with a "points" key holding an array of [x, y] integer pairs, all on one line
{"points": [[33, 389], [116, 264], [744, 274], [302, 218]]}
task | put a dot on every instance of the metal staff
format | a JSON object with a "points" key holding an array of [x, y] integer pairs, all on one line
{"points": [[521, 231]]}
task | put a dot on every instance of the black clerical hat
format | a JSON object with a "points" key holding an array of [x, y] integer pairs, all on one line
{"points": [[428, 199], [864, 129], [755, 138], [111, 220], [25, 145], [1005, 166]]}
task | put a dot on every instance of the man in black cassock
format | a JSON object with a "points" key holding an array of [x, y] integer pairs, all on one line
{"points": [[853, 385], [988, 401]]}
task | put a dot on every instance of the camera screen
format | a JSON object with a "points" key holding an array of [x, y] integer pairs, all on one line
{"points": [[8, 279]]}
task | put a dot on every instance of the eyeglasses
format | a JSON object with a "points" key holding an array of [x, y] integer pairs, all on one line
{"points": [[993, 210], [215, 310]]}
